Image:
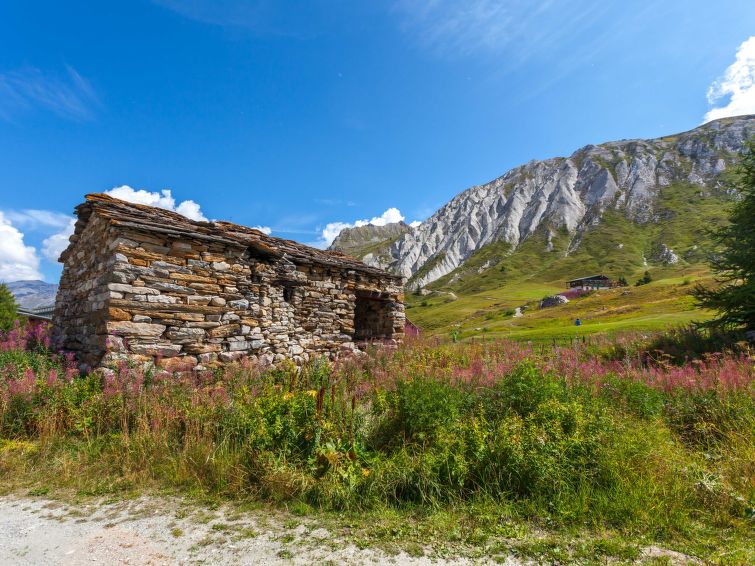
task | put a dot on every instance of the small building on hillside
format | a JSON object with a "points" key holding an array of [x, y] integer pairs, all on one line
{"points": [[592, 282], [145, 284], [411, 329]]}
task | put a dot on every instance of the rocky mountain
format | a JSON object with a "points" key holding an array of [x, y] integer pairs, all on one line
{"points": [[642, 185], [370, 243], [33, 294]]}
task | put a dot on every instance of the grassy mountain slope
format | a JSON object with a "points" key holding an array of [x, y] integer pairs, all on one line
{"points": [[369, 240], [478, 296]]}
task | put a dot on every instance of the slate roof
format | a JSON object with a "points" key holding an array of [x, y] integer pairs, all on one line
{"points": [[591, 277], [153, 220]]}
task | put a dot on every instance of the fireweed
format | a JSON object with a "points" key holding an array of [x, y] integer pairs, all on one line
{"points": [[570, 435]]}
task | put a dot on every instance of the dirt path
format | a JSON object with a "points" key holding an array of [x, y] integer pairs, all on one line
{"points": [[166, 531], [163, 530]]}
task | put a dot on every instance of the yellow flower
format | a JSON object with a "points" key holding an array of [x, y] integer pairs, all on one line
{"points": [[312, 393], [365, 472]]}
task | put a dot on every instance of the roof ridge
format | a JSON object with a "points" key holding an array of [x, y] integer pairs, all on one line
{"points": [[129, 214]]}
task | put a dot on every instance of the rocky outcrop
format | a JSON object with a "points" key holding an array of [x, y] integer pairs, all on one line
{"points": [[553, 301], [665, 255], [570, 194], [370, 243], [32, 294]]}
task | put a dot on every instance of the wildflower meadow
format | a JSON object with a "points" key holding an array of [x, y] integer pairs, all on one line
{"points": [[601, 434]]}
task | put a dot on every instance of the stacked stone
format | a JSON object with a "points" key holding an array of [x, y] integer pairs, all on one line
{"points": [[80, 309], [147, 285]]}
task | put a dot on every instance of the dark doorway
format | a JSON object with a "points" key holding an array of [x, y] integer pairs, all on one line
{"points": [[372, 318]]}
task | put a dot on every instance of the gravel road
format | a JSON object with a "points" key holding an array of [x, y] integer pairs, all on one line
{"points": [[164, 530], [149, 531]]}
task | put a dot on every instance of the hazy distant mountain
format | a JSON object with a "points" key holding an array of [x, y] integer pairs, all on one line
{"points": [[33, 294], [617, 205]]}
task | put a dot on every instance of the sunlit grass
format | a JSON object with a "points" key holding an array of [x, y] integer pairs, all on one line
{"points": [[507, 437]]}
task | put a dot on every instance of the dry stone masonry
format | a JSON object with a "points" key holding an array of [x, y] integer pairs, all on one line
{"points": [[149, 285]]}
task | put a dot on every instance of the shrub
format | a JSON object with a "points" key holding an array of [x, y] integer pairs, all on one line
{"points": [[644, 280], [563, 435], [8, 308]]}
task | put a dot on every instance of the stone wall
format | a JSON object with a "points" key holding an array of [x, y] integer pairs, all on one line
{"points": [[185, 302], [80, 310]]}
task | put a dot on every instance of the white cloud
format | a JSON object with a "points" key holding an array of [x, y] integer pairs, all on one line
{"points": [[415, 223], [190, 209], [737, 85], [54, 245], [332, 229], [264, 229], [34, 219], [522, 28], [163, 199], [17, 260], [69, 96]]}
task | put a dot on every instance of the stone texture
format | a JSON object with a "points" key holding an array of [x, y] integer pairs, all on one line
{"points": [[147, 284], [140, 329], [553, 301], [665, 255]]}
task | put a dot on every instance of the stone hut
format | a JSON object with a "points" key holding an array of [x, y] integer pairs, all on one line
{"points": [[146, 284]]}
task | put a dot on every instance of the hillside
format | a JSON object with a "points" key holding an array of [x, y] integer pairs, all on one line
{"points": [[619, 206], [33, 294], [585, 207], [370, 243], [664, 303]]}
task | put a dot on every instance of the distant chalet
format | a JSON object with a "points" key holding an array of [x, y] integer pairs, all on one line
{"points": [[590, 283], [145, 284]]}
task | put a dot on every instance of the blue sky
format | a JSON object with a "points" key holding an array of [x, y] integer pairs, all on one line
{"points": [[296, 115]]}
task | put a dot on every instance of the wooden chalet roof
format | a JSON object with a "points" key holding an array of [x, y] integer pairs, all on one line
{"points": [[153, 220], [591, 278]]}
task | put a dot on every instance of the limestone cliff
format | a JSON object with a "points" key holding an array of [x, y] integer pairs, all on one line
{"points": [[370, 243], [569, 194]]}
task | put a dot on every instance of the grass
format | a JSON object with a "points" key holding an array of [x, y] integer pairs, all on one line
{"points": [[663, 304], [499, 447], [477, 296]]}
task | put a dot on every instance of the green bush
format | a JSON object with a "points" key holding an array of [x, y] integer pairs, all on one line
{"points": [[8, 308], [436, 427]]}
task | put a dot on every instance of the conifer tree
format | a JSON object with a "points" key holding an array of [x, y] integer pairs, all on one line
{"points": [[8, 308], [734, 262]]}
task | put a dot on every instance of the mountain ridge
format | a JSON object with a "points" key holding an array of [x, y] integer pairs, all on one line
{"points": [[31, 294], [569, 197], [368, 240]]}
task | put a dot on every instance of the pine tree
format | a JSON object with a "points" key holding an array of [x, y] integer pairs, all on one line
{"points": [[7, 308], [646, 278], [734, 264]]}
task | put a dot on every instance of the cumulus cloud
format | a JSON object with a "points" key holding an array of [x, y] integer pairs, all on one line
{"points": [[163, 199], [332, 229], [17, 260], [415, 223], [54, 245], [264, 229], [736, 88]]}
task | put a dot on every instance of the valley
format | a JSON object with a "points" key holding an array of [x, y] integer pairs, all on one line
{"points": [[619, 208]]}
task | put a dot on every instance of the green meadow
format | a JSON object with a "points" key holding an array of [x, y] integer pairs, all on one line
{"points": [[662, 304]]}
